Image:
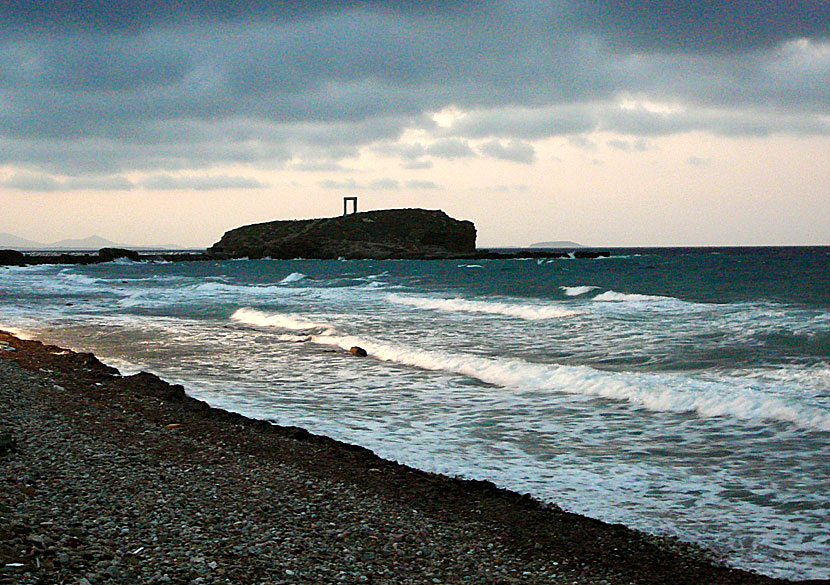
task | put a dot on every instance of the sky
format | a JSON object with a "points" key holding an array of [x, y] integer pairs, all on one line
{"points": [[606, 122]]}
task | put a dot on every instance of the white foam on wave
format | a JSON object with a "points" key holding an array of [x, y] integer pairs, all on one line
{"points": [[618, 297], [293, 277], [80, 280], [655, 392], [575, 291], [124, 262], [291, 322], [204, 292], [525, 311], [735, 397]]}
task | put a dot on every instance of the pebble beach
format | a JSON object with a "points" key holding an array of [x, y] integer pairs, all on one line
{"points": [[126, 479]]}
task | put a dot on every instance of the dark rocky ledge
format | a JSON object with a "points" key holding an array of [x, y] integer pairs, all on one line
{"points": [[15, 258], [389, 233], [126, 479]]}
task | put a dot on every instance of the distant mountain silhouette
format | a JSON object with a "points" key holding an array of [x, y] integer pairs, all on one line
{"points": [[16, 243], [91, 243]]}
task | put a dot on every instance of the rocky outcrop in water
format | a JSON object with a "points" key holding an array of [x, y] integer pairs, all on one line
{"points": [[390, 233], [12, 258]]}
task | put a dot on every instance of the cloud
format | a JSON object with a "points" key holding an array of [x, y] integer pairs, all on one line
{"points": [[516, 151], [697, 161], [43, 183], [422, 185], [349, 185], [163, 182], [517, 188], [317, 165], [163, 86], [450, 149], [384, 185], [133, 17], [417, 164], [582, 142], [629, 145], [527, 122], [696, 26], [352, 185]]}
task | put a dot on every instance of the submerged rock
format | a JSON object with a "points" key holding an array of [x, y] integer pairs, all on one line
{"points": [[390, 233], [358, 351], [110, 254], [12, 258]]}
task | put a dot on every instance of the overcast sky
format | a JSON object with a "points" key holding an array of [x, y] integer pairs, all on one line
{"points": [[607, 122]]}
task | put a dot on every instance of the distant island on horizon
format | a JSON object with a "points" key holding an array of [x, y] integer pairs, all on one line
{"points": [[556, 244]]}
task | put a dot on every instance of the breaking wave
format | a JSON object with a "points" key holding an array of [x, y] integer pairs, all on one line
{"points": [[529, 312], [618, 297], [575, 291], [678, 393], [653, 392], [293, 277], [290, 322]]}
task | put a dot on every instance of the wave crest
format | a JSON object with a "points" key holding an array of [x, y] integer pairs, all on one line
{"points": [[617, 297], [522, 311], [575, 291], [653, 392], [248, 316], [293, 277]]}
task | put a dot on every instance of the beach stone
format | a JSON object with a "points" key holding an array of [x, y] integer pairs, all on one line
{"points": [[7, 443], [226, 501]]}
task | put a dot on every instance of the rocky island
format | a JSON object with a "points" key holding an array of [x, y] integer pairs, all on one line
{"points": [[411, 234], [388, 233]]}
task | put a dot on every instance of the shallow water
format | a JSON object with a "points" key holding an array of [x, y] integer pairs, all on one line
{"points": [[682, 392]]}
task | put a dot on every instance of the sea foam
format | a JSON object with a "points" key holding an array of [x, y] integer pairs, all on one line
{"points": [[663, 392], [530, 312], [655, 392], [618, 297], [293, 277], [575, 291], [292, 322]]}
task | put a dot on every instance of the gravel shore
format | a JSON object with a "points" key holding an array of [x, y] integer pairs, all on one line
{"points": [[111, 479]]}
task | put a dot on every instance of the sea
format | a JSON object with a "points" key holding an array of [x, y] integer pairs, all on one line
{"points": [[682, 392]]}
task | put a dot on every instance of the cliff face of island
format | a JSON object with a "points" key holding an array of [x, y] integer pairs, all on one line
{"points": [[390, 233]]}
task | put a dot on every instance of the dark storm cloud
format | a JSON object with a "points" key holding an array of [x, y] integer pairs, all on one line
{"points": [[103, 87], [55, 16], [703, 25]]}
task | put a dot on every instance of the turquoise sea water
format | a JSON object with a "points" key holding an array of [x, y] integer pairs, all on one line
{"points": [[678, 391]]}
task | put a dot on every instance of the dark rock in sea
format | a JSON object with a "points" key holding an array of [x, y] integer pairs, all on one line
{"points": [[12, 258], [591, 254], [358, 351], [110, 254], [390, 233]]}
